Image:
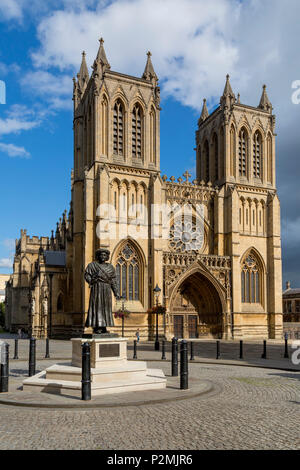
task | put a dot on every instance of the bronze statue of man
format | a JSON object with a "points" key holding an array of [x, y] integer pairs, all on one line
{"points": [[101, 277]]}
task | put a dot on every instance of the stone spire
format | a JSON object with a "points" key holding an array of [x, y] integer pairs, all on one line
{"points": [[83, 75], [149, 73], [101, 56], [265, 103], [204, 113], [227, 100]]}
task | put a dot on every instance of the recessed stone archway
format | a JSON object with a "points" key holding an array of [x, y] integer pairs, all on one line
{"points": [[196, 308]]}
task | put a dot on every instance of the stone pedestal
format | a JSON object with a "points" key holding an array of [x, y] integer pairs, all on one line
{"points": [[110, 371]]}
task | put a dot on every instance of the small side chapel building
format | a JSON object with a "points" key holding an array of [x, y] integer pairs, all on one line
{"points": [[219, 270]]}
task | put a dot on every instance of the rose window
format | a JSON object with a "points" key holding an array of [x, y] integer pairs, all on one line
{"points": [[186, 235]]}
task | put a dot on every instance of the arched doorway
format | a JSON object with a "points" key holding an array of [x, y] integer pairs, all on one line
{"points": [[196, 309]]}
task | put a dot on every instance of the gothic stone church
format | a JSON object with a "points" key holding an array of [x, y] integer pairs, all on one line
{"points": [[220, 278]]}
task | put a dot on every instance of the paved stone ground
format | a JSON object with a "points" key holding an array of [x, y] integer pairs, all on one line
{"points": [[251, 408], [203, 350]]}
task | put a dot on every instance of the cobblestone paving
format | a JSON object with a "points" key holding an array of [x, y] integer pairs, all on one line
{"points": [[250, 409]]}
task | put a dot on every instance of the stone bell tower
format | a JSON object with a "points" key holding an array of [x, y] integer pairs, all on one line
{"points": [[236, 152], [116, 161]]}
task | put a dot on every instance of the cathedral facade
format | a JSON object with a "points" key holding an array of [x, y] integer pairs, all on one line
{"points": [[212, 245]]}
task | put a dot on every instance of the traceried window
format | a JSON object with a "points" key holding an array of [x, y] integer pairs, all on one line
{"points": [[128, 272], [186, 234], [243, 152], [257, 154], [137, 132], [251, 283], [118, 130]]}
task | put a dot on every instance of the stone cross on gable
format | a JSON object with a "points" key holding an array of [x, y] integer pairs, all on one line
{"points": [[187, 175], [172, 179]]}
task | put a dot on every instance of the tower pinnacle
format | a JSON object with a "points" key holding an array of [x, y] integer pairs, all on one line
{"points": [[149, 73], [204, 113], [265, 103]]}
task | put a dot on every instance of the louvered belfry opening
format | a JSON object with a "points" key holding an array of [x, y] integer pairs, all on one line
{"points": [[243, 152], [118, 128], [257, 155], [137, 132]]}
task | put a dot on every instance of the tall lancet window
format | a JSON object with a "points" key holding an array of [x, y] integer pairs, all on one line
{"points": [[251, 279], [216, 156], [128, 272], [104, 125], [118, 131], [269, 157], [137, 131], [232, 152], [206, 162], [152, 136], [257, 155], [243, 152]]}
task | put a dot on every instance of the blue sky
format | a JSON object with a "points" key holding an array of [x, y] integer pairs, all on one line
{"points": [[40, 51]]}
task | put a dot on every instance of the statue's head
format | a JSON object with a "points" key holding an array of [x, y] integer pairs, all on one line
{"points": [[102, 255]]}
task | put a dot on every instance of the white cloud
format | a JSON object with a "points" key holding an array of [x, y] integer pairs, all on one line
{"points": [[190, 41], [18, 118], [6, 262], [11, 9], [55, 89], [13, 151]]}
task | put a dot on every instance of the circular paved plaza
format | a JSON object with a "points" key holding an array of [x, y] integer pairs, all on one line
{"points": [[246, 408]]}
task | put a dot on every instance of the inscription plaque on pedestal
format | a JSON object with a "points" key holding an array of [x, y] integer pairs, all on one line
{"points": [[109, 350]]}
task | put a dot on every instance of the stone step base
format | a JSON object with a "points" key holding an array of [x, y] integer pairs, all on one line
{"points": [[154, 380], [127, 371]]}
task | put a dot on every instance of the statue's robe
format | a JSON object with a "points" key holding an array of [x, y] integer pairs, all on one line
{"points": [[101, 279]]}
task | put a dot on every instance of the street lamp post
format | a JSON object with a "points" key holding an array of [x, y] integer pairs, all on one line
{"points": [[156, 291], [123, 310]]}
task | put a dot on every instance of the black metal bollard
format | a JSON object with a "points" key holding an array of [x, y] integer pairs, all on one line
{"points": [[16, 350], [218, 350], [192, 351], [184, 369], [264, 354], [135, 349], [241, 349], [4, 368], [286, 349], [174, 357], [47, 355], [32, 350], [86, 372], [163, 350]]}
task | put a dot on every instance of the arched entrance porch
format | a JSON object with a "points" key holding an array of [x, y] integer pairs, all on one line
{"points": [[196, 309]]}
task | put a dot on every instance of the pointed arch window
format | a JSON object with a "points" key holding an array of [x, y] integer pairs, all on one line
{"points": [[137, 132], [257, 155], [206, 162], [251, 280], [243, 152], [152, 136], [118, 128], [232, 151], [60, 303], [216, 156], [128, 272], [104, 124], [269, 156]]}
